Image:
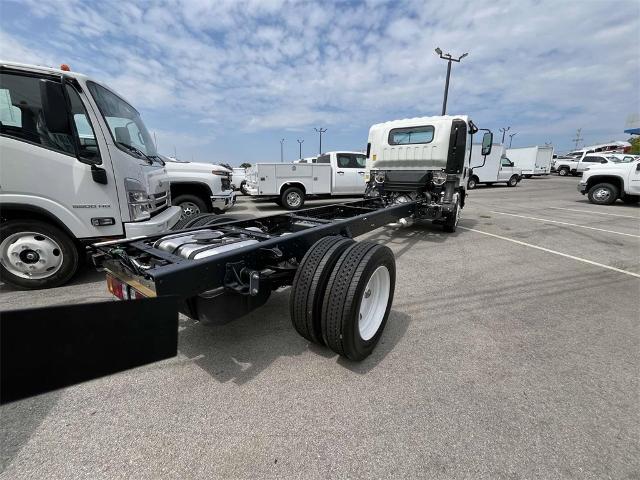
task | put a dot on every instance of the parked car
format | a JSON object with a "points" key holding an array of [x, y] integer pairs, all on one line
{"points": [[77, 164], [333, 174], [492, 168], [607, 183], [199, 187]]}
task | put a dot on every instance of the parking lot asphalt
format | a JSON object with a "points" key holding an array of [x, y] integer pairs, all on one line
{"points": [[512, 351]]}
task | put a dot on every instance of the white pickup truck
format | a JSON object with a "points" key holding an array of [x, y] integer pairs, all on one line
{"points": [[199, 187], [575, 166], [333, 174], [604, 184]]}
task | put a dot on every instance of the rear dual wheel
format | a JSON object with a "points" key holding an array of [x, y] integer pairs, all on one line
{"points": [[342, 295]]}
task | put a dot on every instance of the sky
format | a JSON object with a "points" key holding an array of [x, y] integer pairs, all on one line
{"points": [[225, 81]]}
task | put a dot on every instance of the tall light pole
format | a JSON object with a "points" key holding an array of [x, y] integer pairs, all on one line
{"points": [[511, 135], [320, 131], [282, 151], [449, 59], [300, 142], [504, 130]]}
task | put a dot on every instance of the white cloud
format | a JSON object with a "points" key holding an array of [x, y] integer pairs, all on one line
{"points": [[545, 67]]}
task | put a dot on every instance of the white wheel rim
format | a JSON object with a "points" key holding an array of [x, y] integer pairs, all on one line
{"points": [[373, 303], [31, 255], [602, 194], [189, 209]]}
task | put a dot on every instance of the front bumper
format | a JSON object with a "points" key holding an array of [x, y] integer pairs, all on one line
{"points": [[223, 202], [582, 188], [162, 222]]}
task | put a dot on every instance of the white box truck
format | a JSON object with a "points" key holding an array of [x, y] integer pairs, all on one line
{"points": [[77, 165], [494, 168], [532, 161], [333, 174]]}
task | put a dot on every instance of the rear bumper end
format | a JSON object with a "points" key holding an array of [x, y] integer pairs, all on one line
{"points": [[224, 201], [162, 222]]}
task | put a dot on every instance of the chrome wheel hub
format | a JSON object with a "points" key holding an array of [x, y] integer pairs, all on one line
{"points": [[373, 304], [293, 199], [602, 194], [189, 209], [31, 255]]}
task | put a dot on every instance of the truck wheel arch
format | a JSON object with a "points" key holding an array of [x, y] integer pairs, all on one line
{"points": [[12, 211], [612, 179], [198, 189], [286, 185]]}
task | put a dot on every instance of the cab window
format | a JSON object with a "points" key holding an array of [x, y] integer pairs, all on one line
{"points": [[323, 159], [505, 162], [349, 160], [411, 135], [592, 159], [21, 114], [86, 139]]}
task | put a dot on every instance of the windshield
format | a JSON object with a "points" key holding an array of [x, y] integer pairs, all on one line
{"points": [[614, 159], [125, 123]]}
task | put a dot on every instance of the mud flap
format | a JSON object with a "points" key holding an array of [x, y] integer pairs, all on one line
{"points": [[43, 349]]}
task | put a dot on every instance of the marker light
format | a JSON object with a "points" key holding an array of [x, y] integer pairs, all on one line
{"points": [[65, 68]]}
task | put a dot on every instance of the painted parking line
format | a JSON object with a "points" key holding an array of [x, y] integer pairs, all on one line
{"points": [[597, 213], [554, 252], [567, 223]]}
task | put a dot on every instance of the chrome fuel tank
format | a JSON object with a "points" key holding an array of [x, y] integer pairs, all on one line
{"points": [[201, 243]]}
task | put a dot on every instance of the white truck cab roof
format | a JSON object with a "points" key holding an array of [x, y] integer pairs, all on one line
{"points": [[42, 69]]}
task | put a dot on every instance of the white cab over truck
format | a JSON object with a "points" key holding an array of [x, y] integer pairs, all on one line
{"points": [[533, 161], [424, 160], [200, 187], [333, 174], [77, 164], [604, 184], [493, 168]]}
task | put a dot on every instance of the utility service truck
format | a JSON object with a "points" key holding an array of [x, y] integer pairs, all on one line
{"points": [[604, 184], [493, 168], [77, 165], [341, 290], [333, 174], [533, 161], [199, 187], [568, 165]]}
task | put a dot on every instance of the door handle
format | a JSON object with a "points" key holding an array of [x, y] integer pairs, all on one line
{"points": [[360, 173], [340, 173]]}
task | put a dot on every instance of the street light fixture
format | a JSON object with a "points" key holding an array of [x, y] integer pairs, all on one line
{"points": [[449, 59], [300, 142], [504, 130], [282, 150], [320, 131], [511, 135]]}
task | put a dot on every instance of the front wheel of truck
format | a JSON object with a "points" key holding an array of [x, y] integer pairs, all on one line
{"points": [[35, 254], [513, 181], [451, 222]]}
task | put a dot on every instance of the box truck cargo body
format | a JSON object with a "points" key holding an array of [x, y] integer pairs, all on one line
{"points": [[534, 160]]}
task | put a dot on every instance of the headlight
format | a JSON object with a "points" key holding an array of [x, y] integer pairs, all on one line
{"points": [[379, 177], [222, 174], [367, 177], [587, 169], [138, 199], [438, 177]]}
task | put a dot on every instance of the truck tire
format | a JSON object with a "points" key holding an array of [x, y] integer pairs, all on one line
{"points": [[243, 188], [35, 254], [292, 198], [358, 300], [190, 205], [310, 283], [563, 171], [513, 181], [451, 222], [472, 183], [603, 194]]}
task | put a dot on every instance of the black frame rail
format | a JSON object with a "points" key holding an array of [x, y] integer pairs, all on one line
{"points": [[290, 236]]}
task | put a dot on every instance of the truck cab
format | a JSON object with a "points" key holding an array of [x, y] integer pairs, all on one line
{"points": [[78, 165], [425, 159], [347, 171], [605, 184]]}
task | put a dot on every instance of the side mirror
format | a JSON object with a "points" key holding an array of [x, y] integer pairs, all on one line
{"points": [[487, 143], [54, 107], [638, 167], [99, 175]]}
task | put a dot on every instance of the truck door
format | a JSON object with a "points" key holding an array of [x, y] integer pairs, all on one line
{"points": [[54, 171], [349, 174], [506, 169]]}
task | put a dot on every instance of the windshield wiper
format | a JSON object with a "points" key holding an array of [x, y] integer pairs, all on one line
{"points": [[162, 162], [137, 151]]}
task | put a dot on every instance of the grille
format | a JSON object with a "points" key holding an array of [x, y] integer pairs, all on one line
{"points": [[225, 183], [159, 203]]}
